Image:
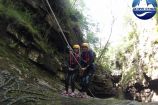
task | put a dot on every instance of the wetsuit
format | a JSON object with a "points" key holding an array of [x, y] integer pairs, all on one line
{"points": [[72, 71], [87, 61]]}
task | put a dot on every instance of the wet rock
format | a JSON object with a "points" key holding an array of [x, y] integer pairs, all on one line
{"points": [[33, 55], [15, 91], [32, 3], [101, 86], [115, 79], [49, 63], [51, 22], [152, 84]]}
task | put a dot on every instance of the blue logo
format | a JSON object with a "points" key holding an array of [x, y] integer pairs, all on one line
{"points": [[144, 9]]}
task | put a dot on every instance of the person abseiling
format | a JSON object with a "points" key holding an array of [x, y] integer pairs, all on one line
{"points": [[88, 67], [74, 58]]}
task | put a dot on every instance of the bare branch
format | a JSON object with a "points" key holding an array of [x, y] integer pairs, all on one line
{"points": [[104, 49]]}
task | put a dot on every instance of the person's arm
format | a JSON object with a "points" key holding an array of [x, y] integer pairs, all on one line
{"points": [[91, 58], [82, 62], [70, 60]]}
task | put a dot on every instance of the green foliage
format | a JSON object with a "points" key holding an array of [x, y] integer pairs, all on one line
{"points": [[133, 35], [156, 15], [128, 76], [156, 41], [78, 17], [106, 60], [92, 39], [123, 57]]}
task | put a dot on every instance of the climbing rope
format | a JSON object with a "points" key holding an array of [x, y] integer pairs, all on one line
{"points": [[62, 32], [63, 35]]}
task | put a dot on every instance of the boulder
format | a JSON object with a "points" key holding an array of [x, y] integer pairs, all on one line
{"points": [[101, 86]]}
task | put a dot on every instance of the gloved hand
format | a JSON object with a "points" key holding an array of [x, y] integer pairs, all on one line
{"points": [[71, 69], [82, 71], [83, 68]]}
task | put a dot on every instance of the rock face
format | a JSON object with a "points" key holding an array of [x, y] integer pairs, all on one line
{"points": [[32, 52], [146, 92], [152, 83], [101, 86], [16, 91], [31, 32]]}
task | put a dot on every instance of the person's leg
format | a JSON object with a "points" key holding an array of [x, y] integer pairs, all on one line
{"points": [[73, 82], [87, 80], [84, 87], [67, 79], [88, 76], [83, 90], [83, 83]]}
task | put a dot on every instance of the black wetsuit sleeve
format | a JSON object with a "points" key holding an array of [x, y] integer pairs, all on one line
{"points": [[91, 58]]}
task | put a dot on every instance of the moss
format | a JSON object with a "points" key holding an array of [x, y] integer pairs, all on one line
{"points": [[20, 16], [15, 63], [24, 18]]}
